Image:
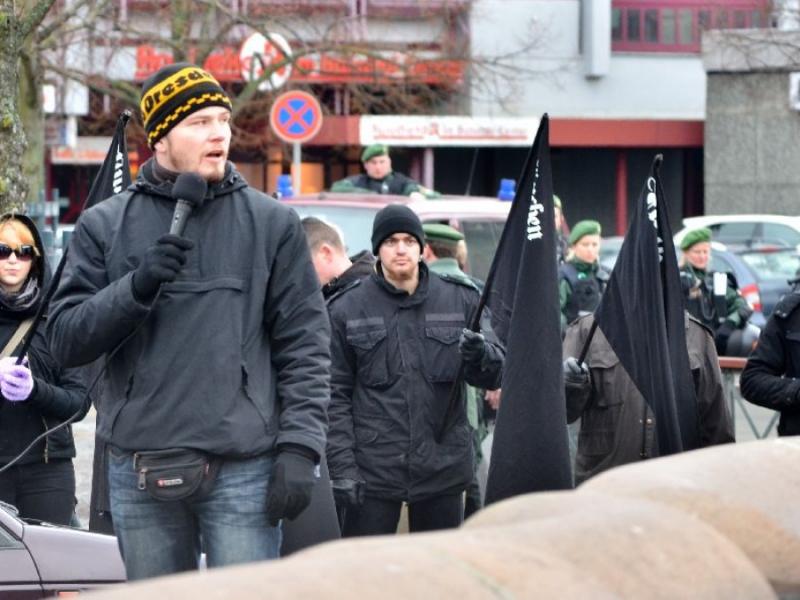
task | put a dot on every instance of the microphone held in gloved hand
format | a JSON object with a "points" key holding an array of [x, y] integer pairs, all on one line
{"points": [[189, 192], [163, 260]]}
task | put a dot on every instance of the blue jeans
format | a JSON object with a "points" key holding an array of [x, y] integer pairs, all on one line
{"points": [[158, 538]]}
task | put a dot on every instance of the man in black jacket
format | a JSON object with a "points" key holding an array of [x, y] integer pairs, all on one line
{"points": [[398, 339], [771, 377], [336, 270], [219, 345]]}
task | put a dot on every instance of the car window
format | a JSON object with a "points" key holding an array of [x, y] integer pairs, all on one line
{"points": [[773, 265], [740, 233], [8, 540], [719, 263], [482, 238], [780, 235], [355, 223]]}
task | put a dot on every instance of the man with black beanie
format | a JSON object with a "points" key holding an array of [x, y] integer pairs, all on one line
{"points": [[398, 340], [218, 344]]}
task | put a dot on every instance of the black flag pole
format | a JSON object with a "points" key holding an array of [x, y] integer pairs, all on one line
{"points": [[114, 176]]}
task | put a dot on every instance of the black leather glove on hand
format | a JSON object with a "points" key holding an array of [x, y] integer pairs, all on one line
{"points": [[348, 493], [162, 262], [574, 373], [290, 486], [722, 336], [472, 346]]}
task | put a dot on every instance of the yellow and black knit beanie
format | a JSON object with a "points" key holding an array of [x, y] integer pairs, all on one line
{"points": [[173, 93]]}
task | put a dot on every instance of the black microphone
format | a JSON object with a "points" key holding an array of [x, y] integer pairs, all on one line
{"points": [[189, 192]]}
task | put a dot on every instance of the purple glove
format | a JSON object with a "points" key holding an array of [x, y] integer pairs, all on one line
{"points": [[16, 381]]}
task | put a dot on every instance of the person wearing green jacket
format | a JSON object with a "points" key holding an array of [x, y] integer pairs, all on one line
{"points": [[711, 298], [582, 280], [441, 255], [379, 178]]}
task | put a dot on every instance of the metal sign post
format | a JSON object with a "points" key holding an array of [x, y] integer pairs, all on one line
{"points": [[296, 167]]}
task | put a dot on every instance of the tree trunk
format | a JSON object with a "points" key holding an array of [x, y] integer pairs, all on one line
{"points": [[13, 185], [31, 114]]}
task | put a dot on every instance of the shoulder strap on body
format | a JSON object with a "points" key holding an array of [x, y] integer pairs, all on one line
{"points": [[12, 344]]}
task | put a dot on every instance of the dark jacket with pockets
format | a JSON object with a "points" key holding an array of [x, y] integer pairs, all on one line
{"points": [[233, 358], [395, 358]]}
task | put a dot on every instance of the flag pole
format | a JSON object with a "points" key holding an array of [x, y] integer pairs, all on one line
{"points": [[55, 280]]}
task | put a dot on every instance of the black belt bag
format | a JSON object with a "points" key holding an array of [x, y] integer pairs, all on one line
{"points": [[175, 473]]}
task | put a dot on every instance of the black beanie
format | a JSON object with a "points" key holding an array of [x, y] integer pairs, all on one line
{"points": [[395, 218], [173, 93]]}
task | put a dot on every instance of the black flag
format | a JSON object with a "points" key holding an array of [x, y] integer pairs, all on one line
{"points": [[641, 315], [530, 451], [115, 173], [113, 177]]}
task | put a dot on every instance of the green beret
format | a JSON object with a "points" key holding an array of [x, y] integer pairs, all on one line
{"points": [[374, 150], [583, 228], [556, 201], [695, 236], [441, 233]]}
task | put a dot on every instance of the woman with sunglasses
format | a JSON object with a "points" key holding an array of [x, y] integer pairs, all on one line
{"points": [[37, 394]]}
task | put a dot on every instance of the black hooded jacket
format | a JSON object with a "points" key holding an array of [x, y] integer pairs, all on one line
{"points": [[233, 358], [57, 393]]}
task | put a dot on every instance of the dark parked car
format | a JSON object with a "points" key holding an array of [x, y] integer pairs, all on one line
{"points": [[771, 270], [481, 220], [39, 560], [762, 275]]}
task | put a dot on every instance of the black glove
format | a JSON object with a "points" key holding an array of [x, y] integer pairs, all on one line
{"points": [[162, 262], [348, 493], [290, 485], [722, 336], [574, 373], [472, 346], [687, 282]]}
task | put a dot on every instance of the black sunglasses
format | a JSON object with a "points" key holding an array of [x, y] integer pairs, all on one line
{"points": [[24, 252]]}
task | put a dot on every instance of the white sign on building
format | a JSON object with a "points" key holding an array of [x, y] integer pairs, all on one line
{"points": [[447, 131]]}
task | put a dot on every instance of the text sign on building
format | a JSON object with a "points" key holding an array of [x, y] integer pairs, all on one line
{"points": [[259, 54], [295, 117], [447, 131]]}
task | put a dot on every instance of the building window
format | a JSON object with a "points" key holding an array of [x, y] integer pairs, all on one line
{"points": [[677, 25]]}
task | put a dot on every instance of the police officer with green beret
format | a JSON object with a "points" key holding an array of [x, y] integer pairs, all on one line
{"points": [[440, 252], [379, 178], [582, 279], [711, 298]]}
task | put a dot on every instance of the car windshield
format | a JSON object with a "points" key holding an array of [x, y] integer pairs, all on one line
{"points": [[354, 221], [482, 234], [775, 265]]}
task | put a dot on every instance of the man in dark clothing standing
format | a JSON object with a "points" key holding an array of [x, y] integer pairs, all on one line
{"points": [[219, 345], [771, 377], [336, 270], [398, 339], [617, 426], [379, 178]]}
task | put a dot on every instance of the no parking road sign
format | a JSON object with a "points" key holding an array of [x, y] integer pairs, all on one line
{"points": [[295, 117]]}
